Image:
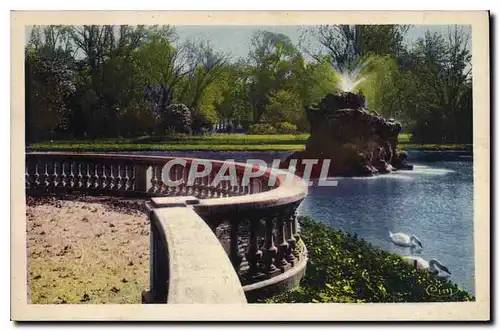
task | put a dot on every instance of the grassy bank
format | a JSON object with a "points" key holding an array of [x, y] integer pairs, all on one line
{"points": [[344, 268], [217, 142]]}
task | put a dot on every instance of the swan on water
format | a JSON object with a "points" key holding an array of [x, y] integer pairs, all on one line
{"points": [[433, 265], [403, 239]]}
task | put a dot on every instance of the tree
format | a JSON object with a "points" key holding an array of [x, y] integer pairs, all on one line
{"points": [[205, 66], [270, 60], [234, 86], [442, 73], [348, 45], [284, 106], [48, 84]]}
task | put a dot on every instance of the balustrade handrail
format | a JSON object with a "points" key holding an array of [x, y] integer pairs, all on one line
{"points": [[287, 189]]}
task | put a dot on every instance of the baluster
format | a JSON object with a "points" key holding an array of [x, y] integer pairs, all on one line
{"points": [[207, 185], [27, 181], [215, 188], [201, 188], [180, 171], [236, 188], [71, 176], [64, 177], [173, 176], [86, 176], [185, 187], [208, 188], [241, 187], [222, 189], [180, 175], [93, 182], [55, 176], [79, 176], [103, 177], [44, 177], [132, 178], [37, 176], [161, 184], [254, 255], [197, 188], [234, 254], [283, 245], [118, 178], [270, 252], [183, 173], [98, 176], [126, 180], [292, 242], [169, 177], [296, 235], [106, 174], [30, 175], [225, 190], [110, 178]]}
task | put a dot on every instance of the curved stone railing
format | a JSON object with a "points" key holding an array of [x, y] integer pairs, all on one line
{"points": [[256, 223], [199, 271]]}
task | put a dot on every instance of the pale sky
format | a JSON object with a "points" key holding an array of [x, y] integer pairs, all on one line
{"points": [[235, 40]]}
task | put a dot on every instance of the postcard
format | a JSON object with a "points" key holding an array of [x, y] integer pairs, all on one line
{"points": [[298, 166]]}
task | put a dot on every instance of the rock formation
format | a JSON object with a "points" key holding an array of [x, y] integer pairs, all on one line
{"points": [[358, 141]]}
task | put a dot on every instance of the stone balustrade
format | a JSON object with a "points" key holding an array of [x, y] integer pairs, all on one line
{"points": [[127, 174], [256, 224]]}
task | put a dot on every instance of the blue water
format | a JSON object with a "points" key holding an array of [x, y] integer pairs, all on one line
{"points": [[433, 202]]}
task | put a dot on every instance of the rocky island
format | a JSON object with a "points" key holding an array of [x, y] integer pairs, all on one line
{"points": [[356, 140]]}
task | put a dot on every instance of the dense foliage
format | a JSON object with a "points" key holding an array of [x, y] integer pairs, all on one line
{"points": [[119, 81], [344, 268]]}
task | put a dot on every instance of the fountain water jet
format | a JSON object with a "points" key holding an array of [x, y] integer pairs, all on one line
{"points": [[348, 79]]}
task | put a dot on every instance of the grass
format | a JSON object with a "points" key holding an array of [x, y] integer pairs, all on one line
{"points": [[216, 142], [345, 268]]}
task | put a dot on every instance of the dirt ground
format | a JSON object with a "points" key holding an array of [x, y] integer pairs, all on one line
{"points": [[86, 250]]}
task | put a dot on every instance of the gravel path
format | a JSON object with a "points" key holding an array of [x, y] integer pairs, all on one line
{"points": [[86, 250]]}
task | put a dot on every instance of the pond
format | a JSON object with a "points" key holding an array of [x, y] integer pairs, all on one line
{"points": [[433, 202]]}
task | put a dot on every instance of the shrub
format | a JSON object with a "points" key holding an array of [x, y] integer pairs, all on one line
{"points": [[286, 128], [344, 268], [177, 118], [261, 128]]}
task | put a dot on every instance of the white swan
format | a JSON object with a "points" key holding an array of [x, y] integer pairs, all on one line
{"points": [[433, 266], [403, 239]]}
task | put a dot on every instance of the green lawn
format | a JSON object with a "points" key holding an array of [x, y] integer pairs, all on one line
{"points": [[216, 142]]}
